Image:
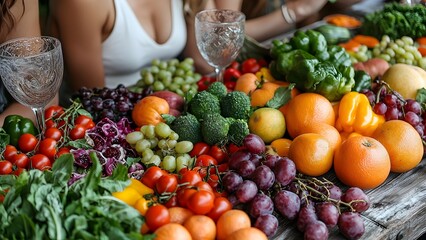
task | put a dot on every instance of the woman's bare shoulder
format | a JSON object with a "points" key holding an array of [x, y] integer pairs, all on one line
{"points": [[81, 8]]}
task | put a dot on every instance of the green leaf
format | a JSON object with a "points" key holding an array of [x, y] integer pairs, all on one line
{"points": [[4, 138], [79, 143], [168, 118], [93, 177], [131, 160], [62, 169], [21, 226], [281, 96], [421, 98]]}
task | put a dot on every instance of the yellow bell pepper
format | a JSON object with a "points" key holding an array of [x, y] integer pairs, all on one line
{"points": [[140, 187], [265, 75], [356, 115]]}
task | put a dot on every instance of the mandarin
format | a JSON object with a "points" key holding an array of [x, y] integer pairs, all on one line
{"points": [[201, 227], [230, 222], [172, 231], [250, 233]]}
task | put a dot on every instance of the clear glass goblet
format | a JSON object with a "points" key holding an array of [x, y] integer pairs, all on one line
{"points": [[219, 36], [32, 70]]}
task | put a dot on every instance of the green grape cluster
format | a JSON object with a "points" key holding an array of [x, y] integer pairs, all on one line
{"points": [[403, 50], [158, 145], [173, 75], [361, 55]]}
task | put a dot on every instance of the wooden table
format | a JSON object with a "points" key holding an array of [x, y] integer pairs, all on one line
{"points": [[397, 211]]}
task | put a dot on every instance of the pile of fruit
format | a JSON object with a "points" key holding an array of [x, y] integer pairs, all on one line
{"points": [[179, 155]]}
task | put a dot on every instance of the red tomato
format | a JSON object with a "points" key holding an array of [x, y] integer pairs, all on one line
{"points": [[27, 142], [156, 216], [205, 160], [199, 149], [217, 153], [62, 150], [205, 82], [85, 121], [77, 132], [222, 167], [230, 85], [54, 133], [250, 65], [183, 196], [21, 160], [213, 180], [40, 162], [18, 171], [235, 65], [9, 152], [231, 75], [54, 111], [151, 175], [201, 202], [172, 202], [6, 167], [190, 177], [48, 147], [220, 205], [50, 123], [233, 148], [166, 183], [203, 186]]}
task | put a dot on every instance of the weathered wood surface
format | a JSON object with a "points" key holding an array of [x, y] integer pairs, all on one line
{"points": [[397, 211]]}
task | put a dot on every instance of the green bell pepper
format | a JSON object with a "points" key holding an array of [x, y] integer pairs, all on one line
{"points": [[16, 125], [300, 40], [362, 81]]}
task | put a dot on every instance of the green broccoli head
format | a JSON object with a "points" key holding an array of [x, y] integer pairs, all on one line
{"points": [[238, 130], [214, 129], [204, 103], [235, 104], [188, 128], [218, 89]]}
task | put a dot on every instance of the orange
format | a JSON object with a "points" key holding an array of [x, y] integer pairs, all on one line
{"points": [[179, 214], [230, 222], [403, 144], [312, 154], [201, 227], [250, 233], [362, 162], [281, 146], [172, 231], [306, 108], [325, 130], [267, 123]]}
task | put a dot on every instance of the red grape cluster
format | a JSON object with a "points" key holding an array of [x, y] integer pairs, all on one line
{"points": [[267, 185], [393, 106]]}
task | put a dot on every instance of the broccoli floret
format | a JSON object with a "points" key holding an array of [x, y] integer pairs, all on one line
{"points": [[235, 104], [215, 129], [238, 130], [188, 128], [204, 103], [218, 89]]}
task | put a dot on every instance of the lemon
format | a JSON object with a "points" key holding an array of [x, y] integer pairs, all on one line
{"points": [[268, 124]]}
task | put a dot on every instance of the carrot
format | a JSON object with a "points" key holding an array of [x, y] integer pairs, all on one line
{"points": [[422, 51], [368, 41], [351, 45], [342, 20], [421, 41]]}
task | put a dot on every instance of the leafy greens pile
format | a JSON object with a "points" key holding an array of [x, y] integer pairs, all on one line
{"points": [[396, 20], [41, 205]]}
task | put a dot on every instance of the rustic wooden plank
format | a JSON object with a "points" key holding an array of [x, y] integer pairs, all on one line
{"points": [[398, 209]]}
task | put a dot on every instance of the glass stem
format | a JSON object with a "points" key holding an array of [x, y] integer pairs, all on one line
{"points": [[39, 114], [219, 73]]}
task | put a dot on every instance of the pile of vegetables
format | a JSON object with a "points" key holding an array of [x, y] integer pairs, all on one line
{"points": [[396, 20]]}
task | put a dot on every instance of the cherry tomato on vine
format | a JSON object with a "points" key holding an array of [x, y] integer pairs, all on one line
{"points": [[213, 180], [77, 132], [48, 147], [235, 65], [6, 167], [205, 82], [53, 132], [40, 162], [61, 151], [21, 160], [166, 183], [199, 149], [85, 121], [231, 75], [190, 177], [233, 148], [27, 142], [172, 202], [201, 202], [230, 85], [203, 186], [183, 196], [156, 216], [18, 171], [217, 153], [220, 206], [9, 152], [54, 111], [205, 160], [250, 65], [151, 175]]}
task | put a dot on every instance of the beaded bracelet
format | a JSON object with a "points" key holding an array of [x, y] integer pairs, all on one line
{"points": [[288, 14]]}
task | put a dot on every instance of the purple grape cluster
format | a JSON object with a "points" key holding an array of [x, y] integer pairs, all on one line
{"points": [[109, 103], [393, 106], [268, 185]]}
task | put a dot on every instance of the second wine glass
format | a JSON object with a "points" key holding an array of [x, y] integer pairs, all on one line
{"points": [[220, 37]]}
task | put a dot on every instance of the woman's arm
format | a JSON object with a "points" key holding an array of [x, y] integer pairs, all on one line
{"points": [[79, 26]]}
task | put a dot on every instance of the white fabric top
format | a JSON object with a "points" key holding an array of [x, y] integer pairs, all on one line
{"points": [[129, 48]]}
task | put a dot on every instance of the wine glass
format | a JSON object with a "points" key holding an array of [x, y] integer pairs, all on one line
{"points": [[32, 70], [219, 36]]}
